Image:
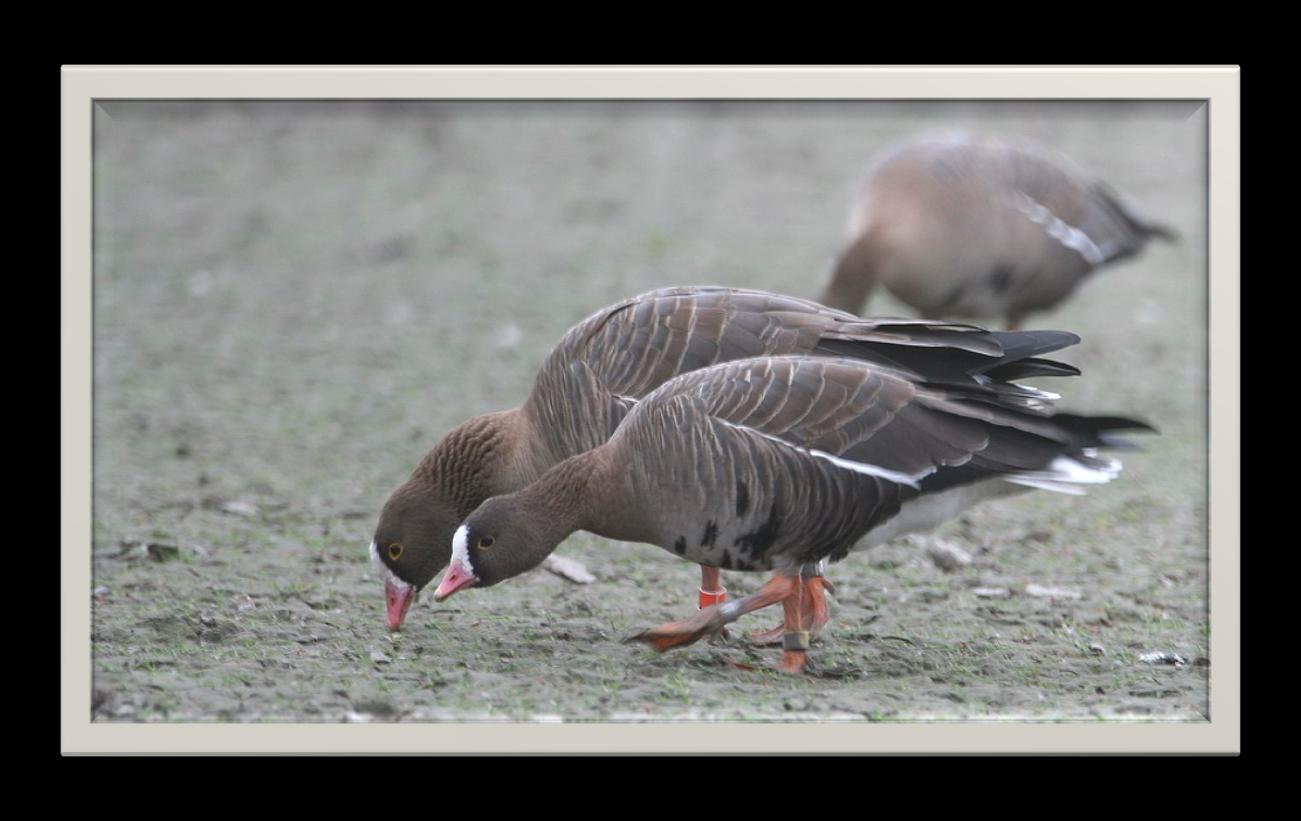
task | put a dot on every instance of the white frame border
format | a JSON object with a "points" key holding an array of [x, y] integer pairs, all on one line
{"points": [[1218, 85]]}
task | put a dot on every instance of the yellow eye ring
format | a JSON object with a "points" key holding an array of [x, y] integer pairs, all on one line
{"points": [[485, 542], [394, 550]]}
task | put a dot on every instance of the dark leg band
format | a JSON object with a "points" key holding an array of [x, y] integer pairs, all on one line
{"points": [[797, 640]]}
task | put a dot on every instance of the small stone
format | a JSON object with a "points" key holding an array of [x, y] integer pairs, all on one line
{"points": [[948, 556], [1097, 650], [1163, 658], [1051, 592], [991, 592], [163, 552], [569, 569], [379, 658], [237, 508]]}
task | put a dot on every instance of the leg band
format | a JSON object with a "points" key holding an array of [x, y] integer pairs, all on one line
{"points": [[712, 597], [797, 640]]}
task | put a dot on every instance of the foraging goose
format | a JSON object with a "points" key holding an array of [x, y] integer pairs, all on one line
{"points": [[959, 227], [776, 463], [622, 352]]}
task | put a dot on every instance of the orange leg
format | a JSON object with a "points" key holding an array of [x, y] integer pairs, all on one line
{"points": [[711, 591], [795, 639], [712, 619], [814, 615]]}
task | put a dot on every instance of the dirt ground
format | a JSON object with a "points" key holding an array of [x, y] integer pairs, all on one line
{"points": [[294, 301]]}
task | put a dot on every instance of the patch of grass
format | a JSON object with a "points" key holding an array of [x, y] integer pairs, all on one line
{"points": [[236, 679], [676, 686]]}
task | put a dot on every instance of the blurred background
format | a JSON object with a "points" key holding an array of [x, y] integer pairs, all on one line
{"points": [[294, 300]]}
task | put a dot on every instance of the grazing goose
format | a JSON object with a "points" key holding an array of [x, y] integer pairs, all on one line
{"points": [[776, 463], [620, 353], [959, 227]]}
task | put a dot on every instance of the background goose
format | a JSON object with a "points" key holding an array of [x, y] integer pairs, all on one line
{"points": [[960, 227], [775, 463], [603, 364]]}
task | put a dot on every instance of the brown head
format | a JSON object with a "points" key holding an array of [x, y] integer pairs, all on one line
{"points": [[413, 542], [413, 539], [509, 535], [499, 541]]}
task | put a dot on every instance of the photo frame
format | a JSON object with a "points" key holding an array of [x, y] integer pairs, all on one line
{"points": [[1219, 86]]}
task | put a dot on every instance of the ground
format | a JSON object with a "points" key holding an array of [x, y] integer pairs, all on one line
{"points": [[294, 301]]}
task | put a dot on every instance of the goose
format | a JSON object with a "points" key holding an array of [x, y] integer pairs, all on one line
{"points": [[599, 369], [962, 227], [777, 463]]}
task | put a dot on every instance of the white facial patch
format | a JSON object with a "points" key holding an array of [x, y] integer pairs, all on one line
{"points": [[382, 570], [459, 551]]}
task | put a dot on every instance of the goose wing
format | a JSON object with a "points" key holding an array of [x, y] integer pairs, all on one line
{"points": [[1082, 215], [635, 346], [871, 420]]}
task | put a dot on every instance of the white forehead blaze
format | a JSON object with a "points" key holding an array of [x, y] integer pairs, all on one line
{"points": [[459, 552]]}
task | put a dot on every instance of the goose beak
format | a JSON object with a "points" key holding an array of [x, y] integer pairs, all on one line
{"points": [[456, 577], [398, 597]]}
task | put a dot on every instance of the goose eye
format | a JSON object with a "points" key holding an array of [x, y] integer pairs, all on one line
{"points": [[485, 542], [394, 550]]}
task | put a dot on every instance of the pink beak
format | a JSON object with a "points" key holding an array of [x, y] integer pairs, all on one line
{"points": [[398, 600], [454, 579]]}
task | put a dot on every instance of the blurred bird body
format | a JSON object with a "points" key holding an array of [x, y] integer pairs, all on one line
{"points": [[963, 228]]}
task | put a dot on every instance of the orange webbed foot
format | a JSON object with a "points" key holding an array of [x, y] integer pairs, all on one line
{"points": [[707, 622], [795, 646], [793, 661], [813, 612]]}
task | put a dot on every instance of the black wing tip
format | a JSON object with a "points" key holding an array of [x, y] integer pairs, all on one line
{"points": [[1123, 423], [1045, 336], [1105, 424], [1030, 368]]}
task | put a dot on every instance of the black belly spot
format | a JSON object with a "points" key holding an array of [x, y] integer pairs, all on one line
{"points": [[757, 541], [742, 498], [711, 534], [726, 563], [680, 546], [1000, 278]]}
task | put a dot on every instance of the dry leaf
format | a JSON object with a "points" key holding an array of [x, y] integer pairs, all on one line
{"points": [[568, 569]]}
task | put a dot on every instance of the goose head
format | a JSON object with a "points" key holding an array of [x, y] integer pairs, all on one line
{"points": [[505, 537], [412, 543]]}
